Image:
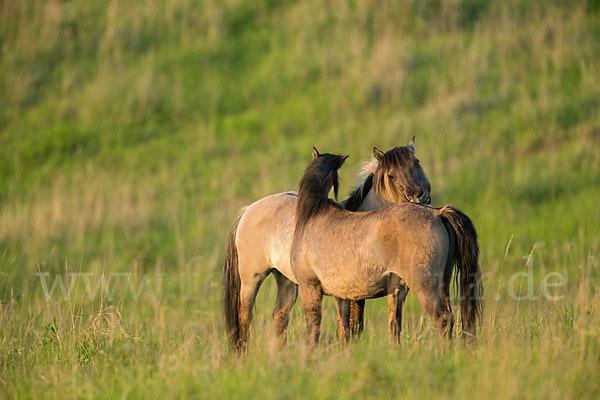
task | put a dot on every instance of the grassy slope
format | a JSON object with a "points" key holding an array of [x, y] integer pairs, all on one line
{"points": [[130, 133]]}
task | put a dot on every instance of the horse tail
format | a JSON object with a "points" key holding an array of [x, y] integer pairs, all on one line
{"points": [[468, 277], [231, 287]]}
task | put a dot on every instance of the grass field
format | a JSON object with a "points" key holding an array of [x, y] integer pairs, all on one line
{"points": [[131, 133]]}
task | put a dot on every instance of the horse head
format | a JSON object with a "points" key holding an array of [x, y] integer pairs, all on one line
{"points": [[325, 168], [318, 179], [399, 177]]}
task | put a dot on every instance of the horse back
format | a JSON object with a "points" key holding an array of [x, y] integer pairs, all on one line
{"points": [[354, 254]]}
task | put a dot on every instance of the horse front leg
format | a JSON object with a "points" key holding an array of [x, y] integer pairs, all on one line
{"points": [[248, 293], [312, 297], [395, 306]]}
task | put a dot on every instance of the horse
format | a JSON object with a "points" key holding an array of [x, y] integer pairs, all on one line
{"points": [[261, 237], [363, 255]]}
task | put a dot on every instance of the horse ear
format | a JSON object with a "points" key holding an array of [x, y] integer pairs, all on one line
{"points": [[378, 154], [315, 153], [341, 161], [411, 145]]}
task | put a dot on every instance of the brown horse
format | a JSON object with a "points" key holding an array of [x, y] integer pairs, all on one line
{"points": [[361, 255], [387, 181], [261, 237]]}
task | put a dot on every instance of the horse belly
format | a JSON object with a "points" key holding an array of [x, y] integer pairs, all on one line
{"points": [[358, 285]]}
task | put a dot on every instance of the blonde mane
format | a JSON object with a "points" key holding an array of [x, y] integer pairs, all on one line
{"points": [[364, 183], [366, 168]]}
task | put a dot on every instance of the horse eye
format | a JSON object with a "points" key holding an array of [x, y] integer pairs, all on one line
{"points": [[391, 177]]}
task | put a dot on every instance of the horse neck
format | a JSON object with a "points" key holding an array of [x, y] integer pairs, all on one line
{"points": [[373, 201], [311, 191], [312, 199]]}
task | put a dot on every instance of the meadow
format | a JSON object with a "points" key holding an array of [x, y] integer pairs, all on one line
{"points": [[132, 132]]}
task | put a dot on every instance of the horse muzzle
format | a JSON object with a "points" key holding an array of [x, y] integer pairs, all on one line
{"points": [[424, 199]]}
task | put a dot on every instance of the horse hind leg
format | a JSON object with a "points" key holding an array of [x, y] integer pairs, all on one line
{"points": [[249, 289], [432, 301], [287, 292], [357, 317], [342, 308]]}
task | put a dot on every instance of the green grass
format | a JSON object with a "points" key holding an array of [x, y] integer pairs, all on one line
{"points": [[132, 132]]}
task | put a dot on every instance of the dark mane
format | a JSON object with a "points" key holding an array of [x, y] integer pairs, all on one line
{"points": [[358, 195], [314, 188]]}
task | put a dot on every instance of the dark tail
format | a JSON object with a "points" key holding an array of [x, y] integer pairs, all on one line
{"points": [[468, 277], [232, 287]]}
